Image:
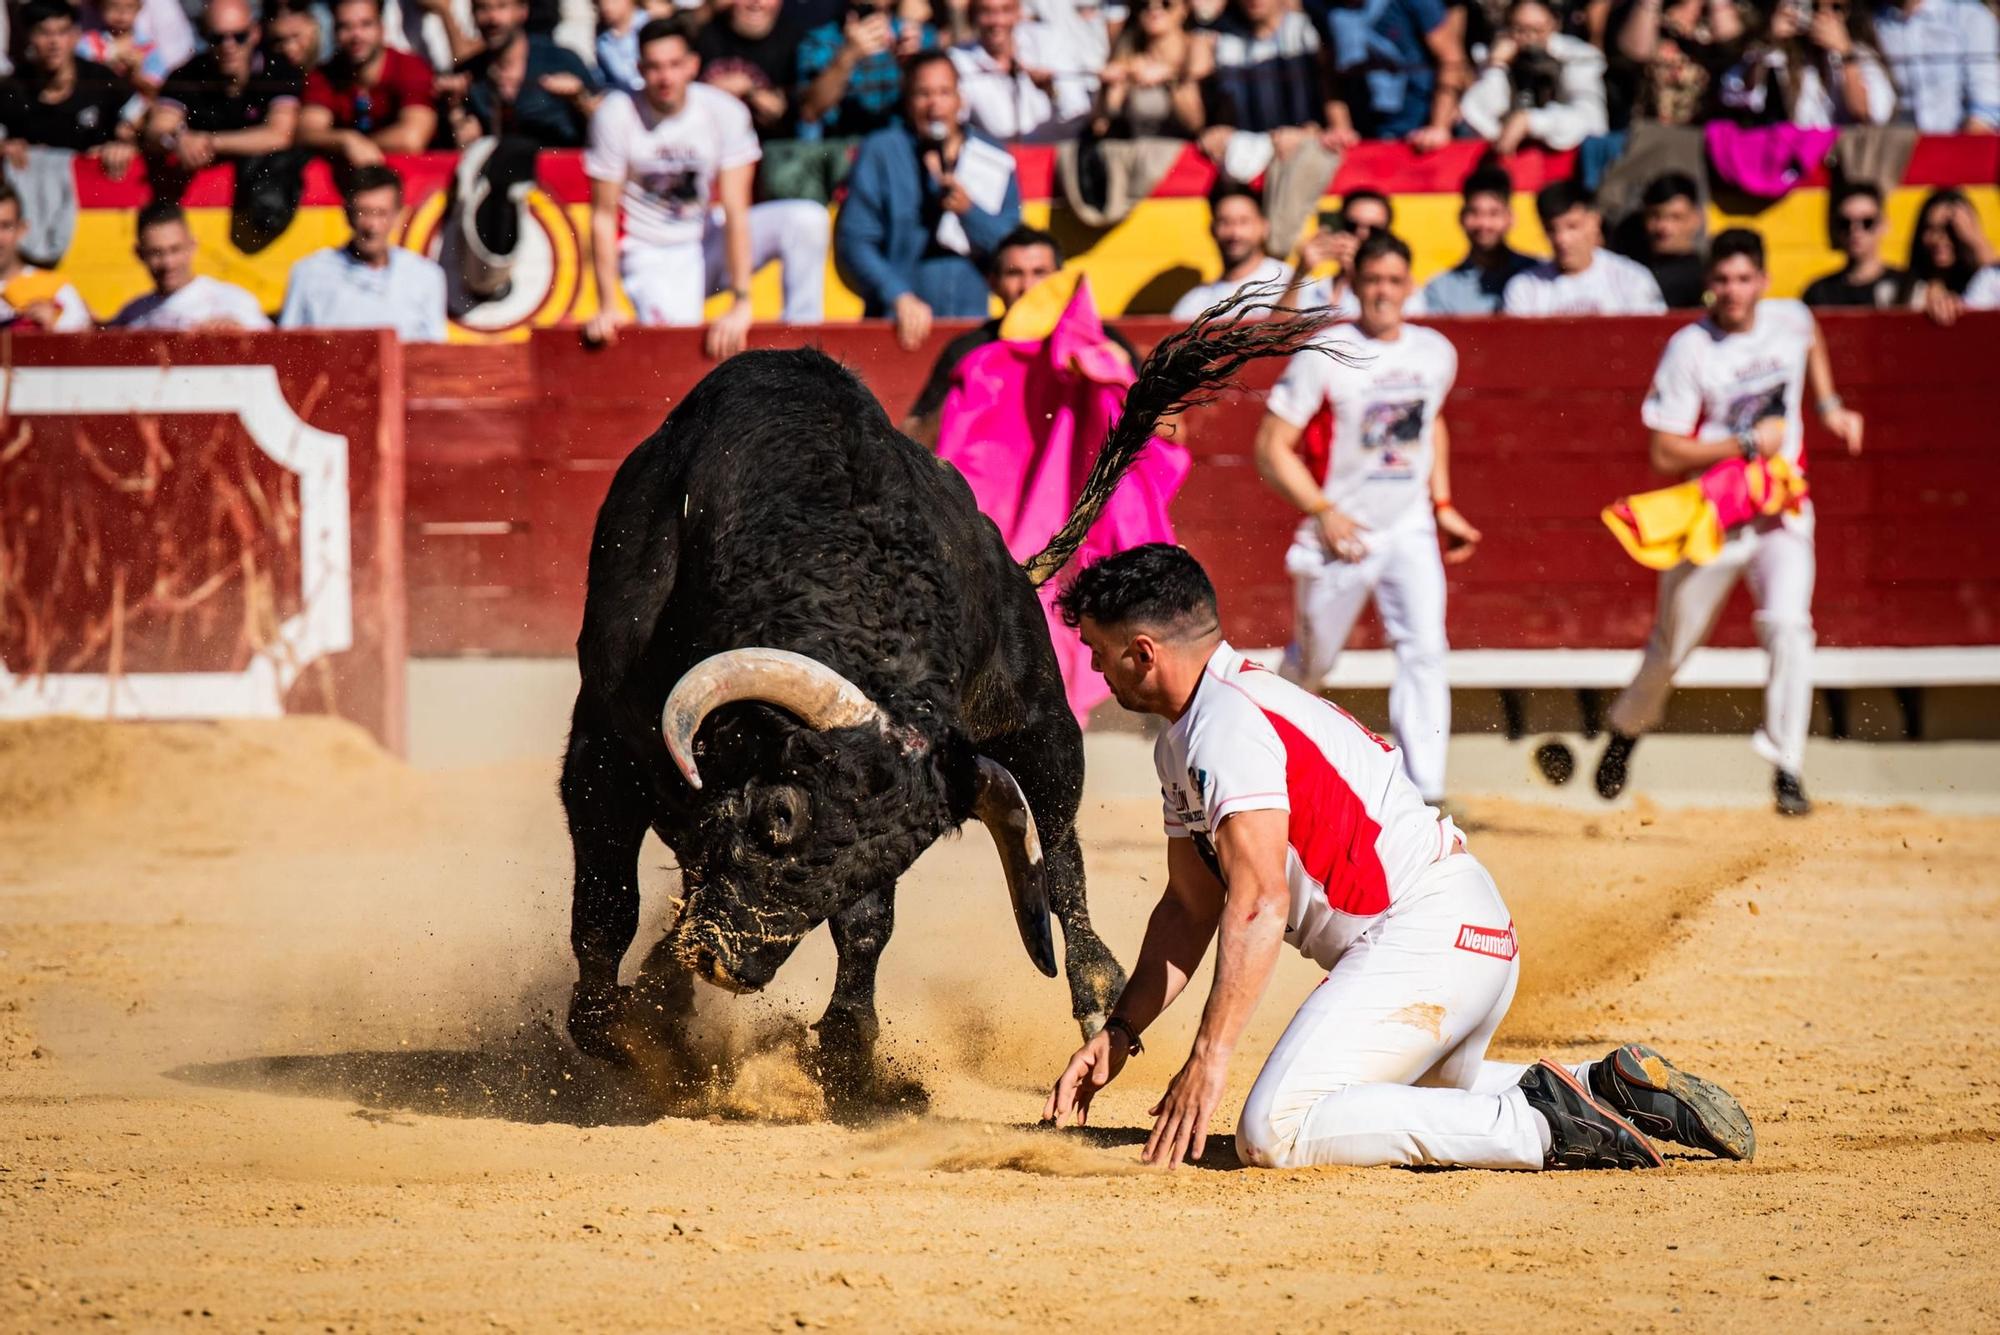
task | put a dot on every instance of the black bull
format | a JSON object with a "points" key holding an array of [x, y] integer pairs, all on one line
{"points": [[806, 655]]}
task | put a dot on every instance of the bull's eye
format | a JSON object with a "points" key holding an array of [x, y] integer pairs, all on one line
{"points": [[785, 816]]}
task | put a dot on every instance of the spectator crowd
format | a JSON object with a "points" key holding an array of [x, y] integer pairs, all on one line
{"points": [[717, 133]]}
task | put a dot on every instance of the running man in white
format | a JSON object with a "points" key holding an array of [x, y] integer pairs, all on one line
{"points": [[1289, 823], [1372, 528], [660, 155], [1733, 385]]}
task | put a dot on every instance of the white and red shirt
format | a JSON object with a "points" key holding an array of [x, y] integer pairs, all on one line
{"points": [[1359, 832], [1712, 385]]}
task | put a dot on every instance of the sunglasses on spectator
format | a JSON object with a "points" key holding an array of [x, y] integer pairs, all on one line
{"points": [[1847, 222], [1156, 6], [240, 37]]}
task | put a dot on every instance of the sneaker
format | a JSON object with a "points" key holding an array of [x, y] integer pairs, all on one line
{"points": [[1615, 765], [1792, 799], [1585, 1133], [1667, 1102]]}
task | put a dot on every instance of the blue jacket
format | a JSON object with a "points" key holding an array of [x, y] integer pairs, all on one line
{"points": [[886, 242]]}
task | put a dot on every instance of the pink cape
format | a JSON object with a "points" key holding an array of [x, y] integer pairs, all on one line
{"points": [[1023, 422]]}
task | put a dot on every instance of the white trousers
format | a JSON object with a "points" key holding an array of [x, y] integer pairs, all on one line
{"points": [[668, 284], [1405, 574], [1385, 1063], [1781, 564]]}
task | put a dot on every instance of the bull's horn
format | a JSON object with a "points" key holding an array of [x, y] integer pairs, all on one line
{"points": [[1003, 809], [806, 687]]}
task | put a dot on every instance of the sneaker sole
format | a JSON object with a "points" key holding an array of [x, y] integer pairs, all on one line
{"points": [[1610, 1114], [1728, 1128]]}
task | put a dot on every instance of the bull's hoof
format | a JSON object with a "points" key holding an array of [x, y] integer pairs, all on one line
{"points": [[861, 1087]]}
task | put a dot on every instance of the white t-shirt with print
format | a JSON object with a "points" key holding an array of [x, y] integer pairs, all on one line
{"points": [[1385, 398], [668, 164], [1612, 285], [202, 301], [1358, 833], [1712, 385]]}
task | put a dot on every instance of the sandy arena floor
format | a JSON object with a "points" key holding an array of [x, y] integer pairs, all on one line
{"points": [[274, 1055]]}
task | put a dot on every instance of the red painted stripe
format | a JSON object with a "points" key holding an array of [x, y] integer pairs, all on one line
{"points": [[1330, 829]]}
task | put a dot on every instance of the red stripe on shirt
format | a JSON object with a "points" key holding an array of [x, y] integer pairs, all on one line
{"points": [[1330, 829]]}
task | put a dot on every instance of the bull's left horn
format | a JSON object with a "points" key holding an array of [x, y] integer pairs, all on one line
{"points": [[1003, 809], [806, 687]]}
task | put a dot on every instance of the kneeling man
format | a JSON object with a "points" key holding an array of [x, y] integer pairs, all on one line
{"points": [[1288, 822]]}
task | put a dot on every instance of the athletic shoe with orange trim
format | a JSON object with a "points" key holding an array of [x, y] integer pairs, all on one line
{"points": [[1585, 1133], [1664, 1101]]}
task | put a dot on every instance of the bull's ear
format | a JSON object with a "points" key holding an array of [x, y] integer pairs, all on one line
{"points": [[1003, 809]]}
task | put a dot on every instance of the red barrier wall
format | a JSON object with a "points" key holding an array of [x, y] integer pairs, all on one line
{"points": [[511, 450], [203, 525]]}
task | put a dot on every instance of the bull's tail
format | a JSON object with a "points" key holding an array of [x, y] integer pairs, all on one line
{"points": [[1186, 370]]}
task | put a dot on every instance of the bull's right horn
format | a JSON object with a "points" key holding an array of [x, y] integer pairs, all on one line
{"points": [[806, 687]]}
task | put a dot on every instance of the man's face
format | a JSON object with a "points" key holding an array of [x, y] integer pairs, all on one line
{"points": [[613, 13], [1857, 228], [1574, 237], [667, 67], [1365, 217], [1125, 661], [1018, 268], [1735, 286], [357, 31], [1673, 227], [1531, 26], [1239, 230], [1486, 219], [499, 21], [296, 38], [118, 16], [1382, 286], [753, 18], [372, 215], [233, 34], [933, 95], [167, 251], [995, 21], [12, 228], [1260, 12], [52, 45]]}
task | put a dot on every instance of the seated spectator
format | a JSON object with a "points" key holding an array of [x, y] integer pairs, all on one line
{"points": [[520, 85], [618, 24], [1362, 214], [1399, 65], [1473, 286], [232, 103], [32, 298], [1674, 224], [1023, 259], [1854, 227], [657, 157], [55, 100], [113, 41], [1674, 53], [1269, 90], [1816, 72], [1018, 82], [1948, 250], [181, 299], [928, 203], [1944, 56], [368, 100], [1237, 225], [292, 33], [852, 71], [751, 51], [161, 28], [1151, 87], [1538, 85], [369, 283], [1583, 278]]}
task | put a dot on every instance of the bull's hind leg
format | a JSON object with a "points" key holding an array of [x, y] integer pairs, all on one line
{"points": [[1095, 978], [854, 1078]]}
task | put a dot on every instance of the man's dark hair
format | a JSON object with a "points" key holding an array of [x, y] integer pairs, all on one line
{"points": [[1347, 201], [1378, 245], [1736, 241], [9, 195], [1668, 187], [1488, 180], [1233, 190], [333, 6], [159, 213], [37, 12], [1025, 235], [1558, 198], [278, 9], [375, 176], [674, 25], [920, 60], [1157, 586]]}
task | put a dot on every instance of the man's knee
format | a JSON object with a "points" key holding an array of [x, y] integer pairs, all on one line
{"points": [[1266, 1135], [1781, 629]]}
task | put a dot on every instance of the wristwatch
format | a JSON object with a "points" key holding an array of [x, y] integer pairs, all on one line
{"points": [[1133, 1047]]}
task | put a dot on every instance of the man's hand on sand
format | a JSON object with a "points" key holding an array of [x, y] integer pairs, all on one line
{"points": [[1181, 1117], [1095, 1065]]}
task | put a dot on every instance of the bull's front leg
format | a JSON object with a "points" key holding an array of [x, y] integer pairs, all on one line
{"points": [[1095, 978], [853, 1077]]}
